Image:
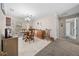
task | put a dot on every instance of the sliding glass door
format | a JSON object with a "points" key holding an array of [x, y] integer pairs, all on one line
{"points": [[70, 28], [77, 28]]}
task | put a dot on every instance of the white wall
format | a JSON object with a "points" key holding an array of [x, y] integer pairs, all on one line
{"points": [[14, 22], [2, 25], [48, 22]]}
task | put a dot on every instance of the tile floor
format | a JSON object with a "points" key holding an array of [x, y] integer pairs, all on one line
{"points": [[31, 48]]}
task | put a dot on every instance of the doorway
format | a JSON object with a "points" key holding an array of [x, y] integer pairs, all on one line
{"points": [[70, 26]]}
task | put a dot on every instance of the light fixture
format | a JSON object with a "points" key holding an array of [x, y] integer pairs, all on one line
{"points": [[28, 18]]}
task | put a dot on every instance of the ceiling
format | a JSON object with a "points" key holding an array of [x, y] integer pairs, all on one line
{"points": [[37, 10]]}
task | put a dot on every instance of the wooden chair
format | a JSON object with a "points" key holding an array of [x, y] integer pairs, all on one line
{"points": [[28, 36], [32, 31]]}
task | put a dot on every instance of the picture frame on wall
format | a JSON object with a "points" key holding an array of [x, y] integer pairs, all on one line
{"points": [[8, 21]]}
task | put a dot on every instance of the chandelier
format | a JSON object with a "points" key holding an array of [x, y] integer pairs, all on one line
{"points": [[28, 18]]}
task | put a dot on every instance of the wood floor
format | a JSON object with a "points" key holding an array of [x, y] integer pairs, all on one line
{"points": [[60, 48]]}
